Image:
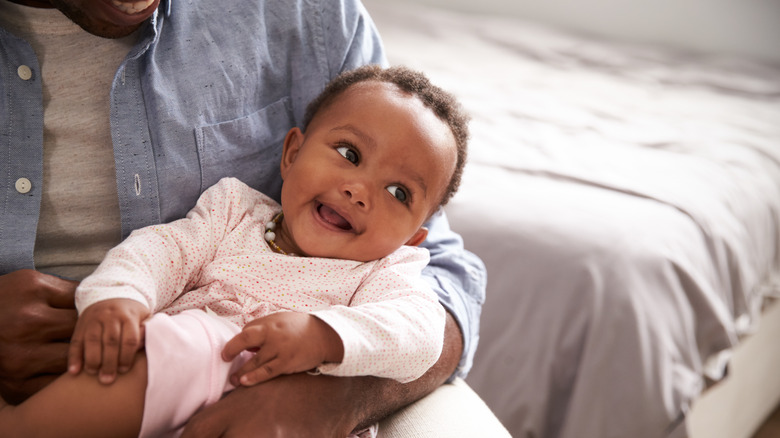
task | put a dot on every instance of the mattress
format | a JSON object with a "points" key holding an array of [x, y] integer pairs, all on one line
{"points": [[626, 201]]}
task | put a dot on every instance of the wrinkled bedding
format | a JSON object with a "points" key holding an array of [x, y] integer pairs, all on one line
{"points": [[626, 202]]}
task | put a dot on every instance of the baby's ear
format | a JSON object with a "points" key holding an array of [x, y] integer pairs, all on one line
{"points": [[418, 238], [292, 144]]}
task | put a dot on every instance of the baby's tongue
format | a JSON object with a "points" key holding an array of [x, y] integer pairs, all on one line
{"points": [[334, 218]]}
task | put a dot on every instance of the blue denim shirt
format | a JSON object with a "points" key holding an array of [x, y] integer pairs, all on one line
{"points": [[210, 90]]}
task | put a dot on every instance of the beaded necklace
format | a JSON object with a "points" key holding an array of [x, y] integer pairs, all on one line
{"points": [[270, 235]]}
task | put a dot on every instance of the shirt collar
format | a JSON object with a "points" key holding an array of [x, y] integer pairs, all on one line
{"points": [[150, 31]]}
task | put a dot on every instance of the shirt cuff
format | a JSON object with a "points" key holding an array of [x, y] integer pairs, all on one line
{"points": [[463, 298]]}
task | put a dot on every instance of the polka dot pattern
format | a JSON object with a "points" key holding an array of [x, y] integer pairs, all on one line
{"points": [[389, 320]]}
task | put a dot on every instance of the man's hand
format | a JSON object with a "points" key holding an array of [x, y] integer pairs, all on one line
{"points": [[306, 406], [37, 317], [285, 343], [289, 406], [107, 336]]}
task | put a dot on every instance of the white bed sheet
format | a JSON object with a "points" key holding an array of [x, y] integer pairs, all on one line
{"points": [[626, 202]]}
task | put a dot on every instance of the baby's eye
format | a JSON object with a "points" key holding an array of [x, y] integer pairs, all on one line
{"points": [[348, 153], [400, 193]]}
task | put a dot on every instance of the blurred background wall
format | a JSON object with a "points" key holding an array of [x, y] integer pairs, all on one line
{"points": [[739, 27]]}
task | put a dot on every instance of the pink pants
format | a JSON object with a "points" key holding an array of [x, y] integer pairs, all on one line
{"points": [[186, 371], [185, 368]]}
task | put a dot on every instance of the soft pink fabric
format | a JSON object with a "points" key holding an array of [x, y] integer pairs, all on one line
{"points": [[186, 371]]}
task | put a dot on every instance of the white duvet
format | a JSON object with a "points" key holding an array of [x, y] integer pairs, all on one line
{"points": [[626, 202]]}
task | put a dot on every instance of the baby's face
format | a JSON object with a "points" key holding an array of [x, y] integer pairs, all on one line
{"points": [[365, 176]]}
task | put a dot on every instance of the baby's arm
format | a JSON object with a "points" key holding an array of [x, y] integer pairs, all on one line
{"points": [[285, 343], [106, 338], [147, 272], [394, 324], [156, 264], [393, 328]]}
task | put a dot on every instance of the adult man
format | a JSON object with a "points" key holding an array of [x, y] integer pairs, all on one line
{"points": [[126, 124]]}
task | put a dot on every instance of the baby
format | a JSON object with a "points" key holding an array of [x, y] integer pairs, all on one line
{"points": [[244, 289]]}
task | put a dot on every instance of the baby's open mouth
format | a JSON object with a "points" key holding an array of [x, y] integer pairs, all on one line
{"points": [[330, 216]]}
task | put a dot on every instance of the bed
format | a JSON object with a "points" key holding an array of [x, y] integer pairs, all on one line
{"points": [[625, 199]]}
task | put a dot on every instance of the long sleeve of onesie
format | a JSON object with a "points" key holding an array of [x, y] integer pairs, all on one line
{"points": [[156, 264], [394, 325]]}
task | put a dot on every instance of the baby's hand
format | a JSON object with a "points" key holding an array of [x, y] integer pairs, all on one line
{"points": [[106, 338], [285, 343]]}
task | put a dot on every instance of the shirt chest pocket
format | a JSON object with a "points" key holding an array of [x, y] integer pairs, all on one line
{"points": [[248, 148]]}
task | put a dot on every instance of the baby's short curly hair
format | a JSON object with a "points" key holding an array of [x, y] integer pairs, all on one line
{"points": [[442, 103]]}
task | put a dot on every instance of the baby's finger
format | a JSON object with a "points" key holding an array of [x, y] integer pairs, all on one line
{"points": [[132, 339], [93, 348], [76, 354], [112, 336], [265, 371], [251, 338], [263, 356]]}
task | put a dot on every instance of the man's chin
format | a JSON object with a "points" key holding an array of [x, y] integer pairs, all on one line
{"points": [[110, 32]]}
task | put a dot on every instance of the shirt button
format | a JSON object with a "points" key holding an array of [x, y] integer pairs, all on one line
{"points": [[24, 72], [23, 185]]}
